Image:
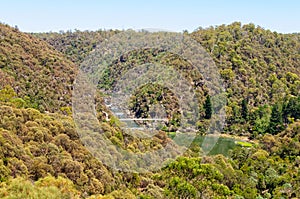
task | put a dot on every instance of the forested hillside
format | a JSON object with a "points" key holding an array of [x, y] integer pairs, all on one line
{"points": [[42, 155], [260, 67], [39, 74], [75, 45]]}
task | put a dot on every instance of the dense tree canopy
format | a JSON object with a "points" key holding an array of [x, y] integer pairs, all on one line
{"points": [[42, 155]]}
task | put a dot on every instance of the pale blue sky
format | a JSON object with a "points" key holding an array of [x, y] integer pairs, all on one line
{"points": [[175, 15]]}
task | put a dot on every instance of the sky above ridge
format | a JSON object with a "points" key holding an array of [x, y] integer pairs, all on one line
{"points": [[174, 15]]}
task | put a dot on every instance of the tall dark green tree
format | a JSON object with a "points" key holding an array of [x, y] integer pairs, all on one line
{"points": [[245, 109], [208, 107], [291, 109], [276, 121], [285, 111]]}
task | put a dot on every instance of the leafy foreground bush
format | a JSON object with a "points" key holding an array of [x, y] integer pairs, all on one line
{"points": [[48, 187]]}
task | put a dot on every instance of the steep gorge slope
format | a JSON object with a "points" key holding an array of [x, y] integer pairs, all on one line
{"points": [[38, 73], [257, 64]]}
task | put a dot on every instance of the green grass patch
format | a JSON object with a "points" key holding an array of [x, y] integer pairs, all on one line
{"points": [[243, 144], [171, 134]]}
